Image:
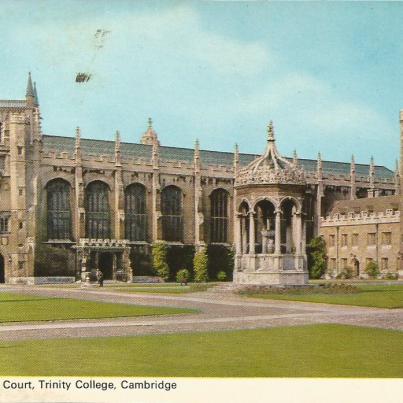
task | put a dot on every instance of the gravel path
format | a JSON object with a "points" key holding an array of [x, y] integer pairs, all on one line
{"points": [[217, 312]]}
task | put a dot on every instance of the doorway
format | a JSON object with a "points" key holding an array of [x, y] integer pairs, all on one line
{"points": [[2, 274], [105, 264]]}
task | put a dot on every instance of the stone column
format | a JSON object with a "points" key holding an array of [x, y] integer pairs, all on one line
{"points": [[243, 234], [114, 266], [237, 235], [298, 233], [251, 233], [277, 238]]}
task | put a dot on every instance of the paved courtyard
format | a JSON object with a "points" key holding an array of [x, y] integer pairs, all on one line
{"points": [[217, 311]]}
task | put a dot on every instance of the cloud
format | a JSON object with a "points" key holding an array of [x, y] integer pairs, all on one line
{"points": [[175, 32]]}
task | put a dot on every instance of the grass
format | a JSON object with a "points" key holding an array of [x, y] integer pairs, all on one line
{"points": [[30, 308], [303, 351], [380, 296]]}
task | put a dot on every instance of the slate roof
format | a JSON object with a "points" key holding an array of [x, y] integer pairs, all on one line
{"points": [[136, 150], [376, 204]]}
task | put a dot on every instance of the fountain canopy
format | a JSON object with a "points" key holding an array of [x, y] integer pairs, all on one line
{"points": [[271, 167]]}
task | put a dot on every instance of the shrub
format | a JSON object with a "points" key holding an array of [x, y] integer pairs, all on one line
{"points": [[348, 273], [372, 269], [200, 262], [178, 258], [221, 276], [391, 276], [182, 276], [220, 258], [160, 265], [317, 257]]}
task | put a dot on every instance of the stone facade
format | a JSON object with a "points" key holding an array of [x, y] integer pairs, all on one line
{"points": [[98, 201]]}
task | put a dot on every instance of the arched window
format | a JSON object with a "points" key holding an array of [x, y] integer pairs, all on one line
{"points": [[219, 216], [97, 211], [135, 213], [58, 207], [171, 209]]}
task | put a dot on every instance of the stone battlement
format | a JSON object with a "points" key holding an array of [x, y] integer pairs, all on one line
{"points": [[364, 217]]}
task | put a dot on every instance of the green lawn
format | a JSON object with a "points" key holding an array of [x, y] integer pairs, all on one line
{"points": [[303, 351], [24, 308], [380, 296]]}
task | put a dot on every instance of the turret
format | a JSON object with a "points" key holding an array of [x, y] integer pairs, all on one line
{"points": [[150, 136]]}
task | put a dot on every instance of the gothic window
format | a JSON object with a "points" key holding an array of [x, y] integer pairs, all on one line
{"points": [[219, 216], [97, 211], [171, 209], [4, 223], [59, 212], [135, 213]]}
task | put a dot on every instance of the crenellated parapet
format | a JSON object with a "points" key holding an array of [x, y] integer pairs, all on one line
{"points": [[362, 218]]}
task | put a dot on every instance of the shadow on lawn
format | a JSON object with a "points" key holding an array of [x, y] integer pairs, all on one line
{"points": [[29, 300]]}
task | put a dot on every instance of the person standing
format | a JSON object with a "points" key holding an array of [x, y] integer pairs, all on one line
{"points": [[100, 278]]}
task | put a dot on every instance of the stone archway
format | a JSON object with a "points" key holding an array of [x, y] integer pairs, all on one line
{"points": [[2, 271]]}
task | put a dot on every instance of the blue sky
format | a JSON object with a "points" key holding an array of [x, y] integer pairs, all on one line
{"points": [[328, 74]]}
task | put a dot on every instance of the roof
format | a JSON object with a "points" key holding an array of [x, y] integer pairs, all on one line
{"points": [[375, 204], [136, 150]]}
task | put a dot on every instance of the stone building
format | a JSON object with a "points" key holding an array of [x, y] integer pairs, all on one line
{"points": [[70, 204], [361, 231]]}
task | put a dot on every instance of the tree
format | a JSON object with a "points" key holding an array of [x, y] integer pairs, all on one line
{"points": [[372, 269], [317, 257], [160, 265], [200, 262]]}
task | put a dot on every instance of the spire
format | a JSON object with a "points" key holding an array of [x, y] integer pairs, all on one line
{"points": [[36, 99], [353, 188], [236, 158], [155, 154], [319, 165], [372, 167], [77, 148], [196, 157], [352, 165], [295, 158], [270, 131], [118, 161], [30, 94], [397, 179], [150, 124]]}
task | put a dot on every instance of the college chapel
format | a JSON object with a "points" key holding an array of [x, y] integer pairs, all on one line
{"points": [[69, 205]]}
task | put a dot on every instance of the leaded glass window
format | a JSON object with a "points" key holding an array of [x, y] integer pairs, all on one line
{"points": [[135, 213], [97, 211], [171, 209], [59, 211], [219, 216]]}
